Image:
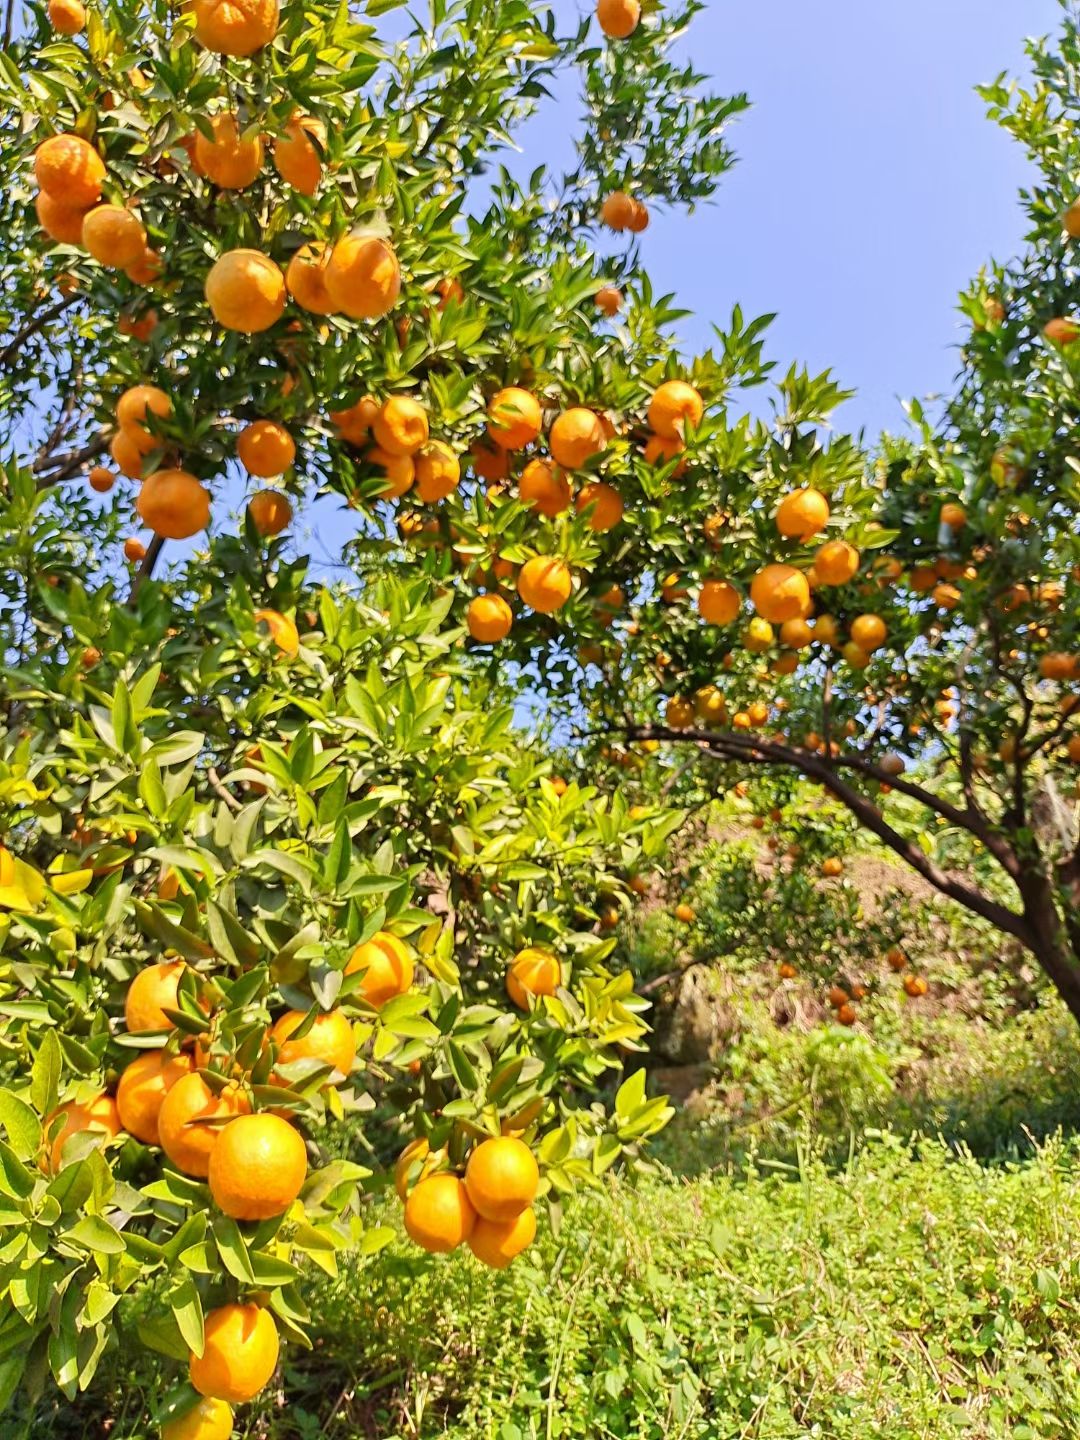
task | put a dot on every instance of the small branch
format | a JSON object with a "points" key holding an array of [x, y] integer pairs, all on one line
{"points": [[146, 569], [40, 320], [218, 787], [69, 465]]}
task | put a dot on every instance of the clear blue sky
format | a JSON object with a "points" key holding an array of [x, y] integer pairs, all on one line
{"points": [[870, 185]]}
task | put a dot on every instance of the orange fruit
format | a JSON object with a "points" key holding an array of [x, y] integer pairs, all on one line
{"points": [[146, 269], [916, 985], [258, 1167], [229, 158], [617, 210], [401, 426], [685, 913], [113, 236], [139, 328], [847, 1014], [282, 629], [67, 17], [758, 636], [134, 550], [514, 418], [576, 436], [142, 1089], [98, 1115], [502, 1178], [1072, 749], [132, 409], [869, 632], [270, 512], [855, 655], [608, 300], [400, 471], [240, 1353], [386, 966], [1071, 220], [330, 1039], [639, 217], [70, 171], [544, 488], [718, 602], [1058, 666], [489, 619], [618, 18], [779, 593], [363, 277], [438, 471], [173, 504], [60, 223], [836, 562], [298, 160], [947, 597], [532, 972], [246, 291], [1061, 331], [496, 1242], [152, 989], [439, 1214], [674, 405], [449, 290], [305, 279], [802, 513], [207, 1419], [101, 480], [183, 1133], [544, 583], [954, 516], [796, 634], [601, 505], [678, 713], [265, 448], [832, 867], [235, 27], [355, 422], [661, 450]]}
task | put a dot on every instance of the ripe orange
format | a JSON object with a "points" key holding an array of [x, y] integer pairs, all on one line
{"points": [[246, 291], [639, 217], [67, 17], [617, 210], [355, 422], [183, 1133], [855, 655], [618, 18], [955, 516], [146, 269], [1058, 666], [685, 913], [152, 989], [101, 479], [947, 597], [363, 277], [439, 1214], [661, 451], [298, 160], [496, 1242], [502, 1178], [576, 436], [678, 713], [489, 619], [98, 1115], [139, 328], [235, 27], [132, 409], [779, 593], [514, 418], [265, 448], [70, 171], [173, 504], [207, 1419], [134, 551], [438, 472], [847, 1014], [869, 632], [60, 223], [240, 1353], [758, 636], [142, 1090], [601, 505], [113, 236], [415, 1163], [544, 488], [544, 583], [305, 279], [230, 158], [258, 1167], [532, 972], [832, 867], [609, 300], [450, 291], [1072, 749], [802, 513], [916, 985], [1061, 331], [718, 602], [836, 562], [330, 1040], [673, 407], [270, 512], [283, 631], [796, 634], [386, 965], [400, 471], [401, 426]]}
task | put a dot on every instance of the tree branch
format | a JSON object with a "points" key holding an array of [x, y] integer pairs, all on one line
{"points": [[39, 321], [146, 569]]}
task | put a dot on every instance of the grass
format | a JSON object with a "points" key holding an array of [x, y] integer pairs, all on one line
{"points": [[913, 1293]]}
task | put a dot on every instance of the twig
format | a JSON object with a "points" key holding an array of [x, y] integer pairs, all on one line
{"points": [[146, 569]]}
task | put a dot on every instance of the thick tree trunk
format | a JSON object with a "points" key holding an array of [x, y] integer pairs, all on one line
{"points": [[1052, 938]]}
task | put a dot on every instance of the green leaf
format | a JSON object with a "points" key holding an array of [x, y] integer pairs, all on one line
{"points": [[187, 1310], [20, 1122], [45, 1074], [95, 1233], [233, 1251]]}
